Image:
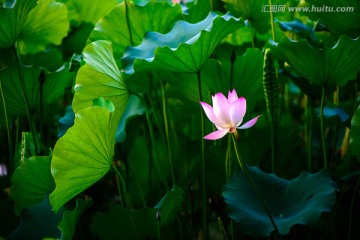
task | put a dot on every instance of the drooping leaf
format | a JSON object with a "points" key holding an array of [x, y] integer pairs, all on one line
{"points": [[100, 77], [355, 133], [331, 112], [70, 218], [341, 17], [13, 20], [66, 121], [181, 50], [154, 16], [297, 201], [122, 223], [32, 181], [38, 222], [169, 205], [47, 23], [51, 59], [324, 67], [88, 11], [83, 155]]}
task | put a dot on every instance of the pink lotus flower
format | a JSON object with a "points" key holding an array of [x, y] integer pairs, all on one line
{"points": [[227, 114]]}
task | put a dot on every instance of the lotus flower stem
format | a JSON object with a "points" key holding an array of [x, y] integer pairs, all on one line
{"points": [[11, 161], [203, 166], [253, 185], [167, 133], [322, 126]]}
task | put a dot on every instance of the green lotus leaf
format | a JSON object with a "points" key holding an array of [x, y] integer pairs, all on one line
{"points": [[154, 16], [13, 20], [122, 223], [324, 67], [344, 17], [70, 219], [45, 24], [32, 181], [84, 154], [88, 11], [256, 12], [184, 49], [100, 77], [355, 133], [169, 205], [296, 201]]}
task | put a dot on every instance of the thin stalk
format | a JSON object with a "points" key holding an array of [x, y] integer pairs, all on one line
{"points": [[352, 207], [253, 185], [308, 131], [167, 133], [274, 136], [322, 126], [128, 22], [272, 23], [203, 165], [11, 160], [228, 159], [121, 188], [252, 35], [336, 101], [22, 84], [152, 137], [232, 60]]}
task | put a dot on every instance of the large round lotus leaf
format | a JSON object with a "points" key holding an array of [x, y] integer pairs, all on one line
{"points": [[47, 23], [12, 20], [297, 201], [100, 77], [32, 181], [184, 49], [153, 16], [342, 17], [324, 67], [355, 133], [84, 154]]}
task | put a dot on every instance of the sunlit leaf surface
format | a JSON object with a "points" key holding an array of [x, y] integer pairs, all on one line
{"points": [[83, 155]]}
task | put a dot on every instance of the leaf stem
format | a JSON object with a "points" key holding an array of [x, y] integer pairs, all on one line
{"points": [[322, 126], [167, 133], [22, 84], [122, 188], [152, 137], [336, 130], [352, 207], [253, 185], [203, 165], [309, 110], [11, 160], [272, 23], [128, 21]]}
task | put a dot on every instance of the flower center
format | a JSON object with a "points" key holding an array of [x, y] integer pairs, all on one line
{"points": [[232, 129]]}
